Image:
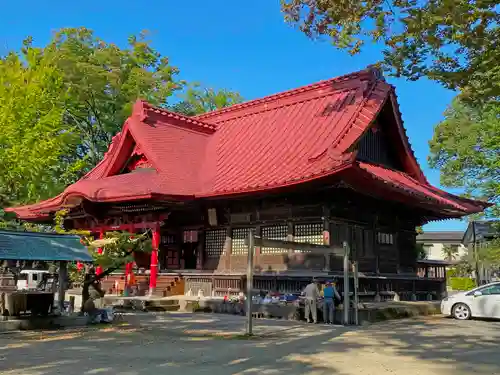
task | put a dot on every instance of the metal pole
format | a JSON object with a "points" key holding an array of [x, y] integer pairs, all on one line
{"points": [[250, 282], [476, 257], [346, 283], [356, 289]]}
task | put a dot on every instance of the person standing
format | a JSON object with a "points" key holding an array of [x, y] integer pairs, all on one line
{"points": [[329, 294], [311, 294]]}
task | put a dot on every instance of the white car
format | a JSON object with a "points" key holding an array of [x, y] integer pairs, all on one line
{"points": [[481, 302], [29, 279]]}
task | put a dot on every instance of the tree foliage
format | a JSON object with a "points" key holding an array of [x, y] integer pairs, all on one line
{"points": [[450, 253], [197, 100], [117, 248], [490, 254], [466, 149], [454, 42], [420, 252], [34, 137], [103, 81]]}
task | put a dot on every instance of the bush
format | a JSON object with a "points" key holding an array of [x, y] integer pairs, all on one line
{"points": [[461, 283], [451, 272]]}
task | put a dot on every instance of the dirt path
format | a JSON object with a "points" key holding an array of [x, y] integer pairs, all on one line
{"points": [[185, 344]]}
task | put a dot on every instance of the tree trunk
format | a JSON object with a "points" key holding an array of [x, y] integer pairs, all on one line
{"points": [[93, 280]]}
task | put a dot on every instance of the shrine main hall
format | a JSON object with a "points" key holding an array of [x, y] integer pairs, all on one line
{"points": [[321, 164]]}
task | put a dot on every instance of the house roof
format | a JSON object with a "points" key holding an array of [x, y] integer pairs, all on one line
{"points": [[481, 231], [284, 139], [42, 247], [441, 237], [436, 262]]}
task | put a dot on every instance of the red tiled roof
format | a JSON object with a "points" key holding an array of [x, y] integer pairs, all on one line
{"points": [[280, 140], [401, 182]]}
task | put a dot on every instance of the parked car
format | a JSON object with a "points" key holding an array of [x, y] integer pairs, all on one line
{"points": [[29, 279], [481, 302]]}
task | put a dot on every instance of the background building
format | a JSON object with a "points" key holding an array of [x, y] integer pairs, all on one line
{"points": [[443, 245]]}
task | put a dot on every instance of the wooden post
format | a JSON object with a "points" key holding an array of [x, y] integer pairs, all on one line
{"points": [[153, 275], [356, 289], [228, 248], [71, 304], [326, 237], [249, 301], [63, 273], [346, 283]]}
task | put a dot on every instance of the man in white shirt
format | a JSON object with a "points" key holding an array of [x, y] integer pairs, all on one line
{"points": [[311, 294]]}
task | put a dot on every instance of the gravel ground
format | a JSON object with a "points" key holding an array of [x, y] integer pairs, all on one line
{"points": [[202, 343]]}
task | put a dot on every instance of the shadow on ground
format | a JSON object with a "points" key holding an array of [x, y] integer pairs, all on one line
{"points": [[201, 343]]}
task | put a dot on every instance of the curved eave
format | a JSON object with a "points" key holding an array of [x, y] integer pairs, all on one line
{"points": [[42, 210], [416, 193]]}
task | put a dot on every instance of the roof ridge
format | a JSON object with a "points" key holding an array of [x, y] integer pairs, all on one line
{"points": [[367, 92], [141, 109], [369, 73], [303, 100]]}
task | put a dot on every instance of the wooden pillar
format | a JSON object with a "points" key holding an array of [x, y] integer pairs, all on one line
{"points": [[376, 245], [290, 234], [98, 270], [228, 248], [128, 272], [258, 232], [154, 259], [200, 258], [326, 236], [395, 231], [398, 255], [63, 275]]}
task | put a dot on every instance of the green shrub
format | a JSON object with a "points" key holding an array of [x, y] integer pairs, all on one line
{"points": [[451, 272], [461, 283]]}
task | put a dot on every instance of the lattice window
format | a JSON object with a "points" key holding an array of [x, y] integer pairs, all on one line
{"points": [[168, 239], [275, 232], [214, 242], [239, 236], [385, 238], [190, 236], [309, 233]]}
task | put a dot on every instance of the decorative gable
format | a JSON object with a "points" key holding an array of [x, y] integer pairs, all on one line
{"points": [[137, 162], [385, 142], [376, 147]]}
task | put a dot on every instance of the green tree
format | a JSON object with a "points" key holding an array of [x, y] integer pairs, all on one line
{"points": [[466, 149], [104, 81], [118, 249], [454, 42], [197, 100], [420, 251], [34, 137], [450, 253]]}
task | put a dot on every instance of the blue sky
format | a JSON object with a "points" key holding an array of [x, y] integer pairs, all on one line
{"points": [[239, 45]]}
